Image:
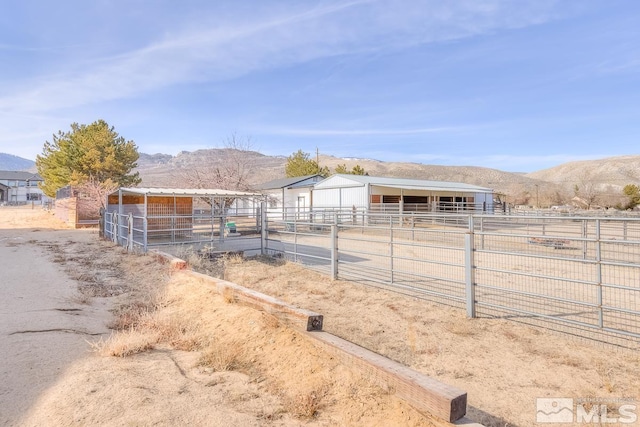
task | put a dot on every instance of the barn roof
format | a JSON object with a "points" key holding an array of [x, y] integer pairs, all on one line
{"points": [[413, 184], [187, 192], [296, 181]]}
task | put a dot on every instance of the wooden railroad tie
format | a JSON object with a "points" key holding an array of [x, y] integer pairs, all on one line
{"points": [[425, 394]]}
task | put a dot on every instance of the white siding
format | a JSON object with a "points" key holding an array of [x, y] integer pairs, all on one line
{"points": [[337, 181], [340, 191], [485, 198], [326, 198], [340, 197], [299, 198], [357, 197]]}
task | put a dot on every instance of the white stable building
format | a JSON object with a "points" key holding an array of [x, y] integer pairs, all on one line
{"points": [[375, 194], [289, 195], [293, 197]]}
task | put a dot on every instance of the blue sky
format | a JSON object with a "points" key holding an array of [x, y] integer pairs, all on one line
{"points": [[514, 85]]}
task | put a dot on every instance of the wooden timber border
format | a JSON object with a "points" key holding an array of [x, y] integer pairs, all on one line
{"points": [[424, 393], [165, 258], [298, 318]]}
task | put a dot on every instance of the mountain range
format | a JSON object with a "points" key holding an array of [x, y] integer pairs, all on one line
{"points": [[9, 162], [553, 186], [557, 185]]}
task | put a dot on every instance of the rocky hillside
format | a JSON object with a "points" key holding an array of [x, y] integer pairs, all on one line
{"points": [[601, 179], [612, 171], [164, 170]]}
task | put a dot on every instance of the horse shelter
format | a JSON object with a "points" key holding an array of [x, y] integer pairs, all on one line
{"points": [[218, 220]]}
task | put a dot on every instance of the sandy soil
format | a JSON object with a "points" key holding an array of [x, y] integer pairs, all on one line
{"points": [[503, 365], [182, 355]]}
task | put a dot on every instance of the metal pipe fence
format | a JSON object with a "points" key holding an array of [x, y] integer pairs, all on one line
{"points": [[578, 275], [201, 230]]}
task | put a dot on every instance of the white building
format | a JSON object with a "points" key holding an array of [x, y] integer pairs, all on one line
{"points": [[289, 196], [399, 195], [19, 187], [294, 196]]}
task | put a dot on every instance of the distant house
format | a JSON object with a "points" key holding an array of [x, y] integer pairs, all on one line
{"points": [[289, 195], [19, 187], [377, 194]]}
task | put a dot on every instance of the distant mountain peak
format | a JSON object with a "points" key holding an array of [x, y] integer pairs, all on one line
{"points": [[9, 162]]}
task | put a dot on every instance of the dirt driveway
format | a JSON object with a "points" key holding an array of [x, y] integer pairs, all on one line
{"points": [[39, 313]]}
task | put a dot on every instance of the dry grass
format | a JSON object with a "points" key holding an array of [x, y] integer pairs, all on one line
{"points": [[155, 310], [126, 343], [192, 257], [146, 329], [224, 356], [304, 405], [129, 315], [80, 298], [229, 296], [500, 363], [606, 377], [485, 357]]}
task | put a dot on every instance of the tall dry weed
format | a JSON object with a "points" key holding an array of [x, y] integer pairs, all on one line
{"points": [[126, 343], [130, 315], [304, 405], [224, 356]]}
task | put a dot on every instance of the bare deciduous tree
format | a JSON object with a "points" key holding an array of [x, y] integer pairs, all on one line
{"points": [[92, 196], [229, 170], [226, 169], [587, 190]]}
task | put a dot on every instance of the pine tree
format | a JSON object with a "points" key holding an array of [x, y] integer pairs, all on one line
{"points": [[87, 153], [632, 191], [356, 170], [299, 164]]}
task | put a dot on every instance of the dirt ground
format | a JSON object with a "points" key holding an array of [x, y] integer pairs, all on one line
{"points": [[91, 335], [183, 355], [503, 365]]}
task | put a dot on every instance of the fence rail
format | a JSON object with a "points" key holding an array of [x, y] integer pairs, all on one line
{"points": [[202, 230], [579, 275]]}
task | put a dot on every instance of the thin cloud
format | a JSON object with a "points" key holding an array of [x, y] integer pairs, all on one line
{"points": [[357, 132], [223, 51]]}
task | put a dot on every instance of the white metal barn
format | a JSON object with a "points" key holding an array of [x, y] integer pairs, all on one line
{"points": [[377, 194], [289, 196]]}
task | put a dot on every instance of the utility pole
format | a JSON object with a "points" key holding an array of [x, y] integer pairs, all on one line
{"points": [[318, 160]]}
